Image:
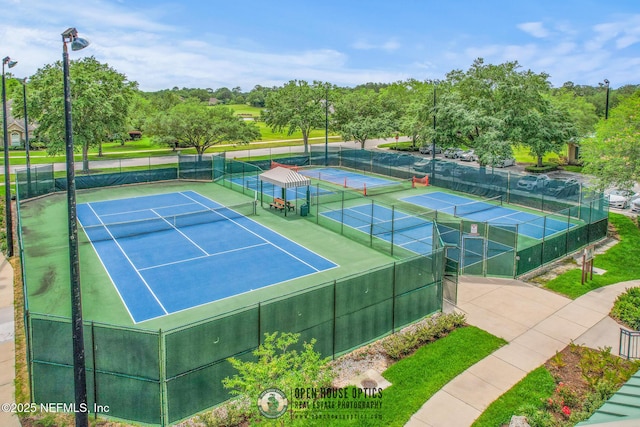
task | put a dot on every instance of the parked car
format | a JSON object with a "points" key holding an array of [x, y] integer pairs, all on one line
{"points": [[426, 149], [635, 205], [563, 187], [468, 156], [452, 153], [620, 198], [533, 182], [444, 168], [502, 163], [423, 166]]}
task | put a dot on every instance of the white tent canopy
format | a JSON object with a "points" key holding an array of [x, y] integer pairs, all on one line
{"points": [[285, 178]]}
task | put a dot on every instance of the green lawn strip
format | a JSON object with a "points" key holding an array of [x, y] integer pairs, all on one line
{"points": [[617, 261], [418, 377], [531, 390]]}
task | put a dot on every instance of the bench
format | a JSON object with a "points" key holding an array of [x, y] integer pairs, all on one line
{"points": [[277, 204], [281, 204]]}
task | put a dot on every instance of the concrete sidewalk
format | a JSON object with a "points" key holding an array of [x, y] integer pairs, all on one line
{"points": [[536, 323], [7, 350]]}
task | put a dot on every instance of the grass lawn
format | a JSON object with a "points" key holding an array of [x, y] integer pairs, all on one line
{"points": [[418, 377], [537, 385], [617, 261]]}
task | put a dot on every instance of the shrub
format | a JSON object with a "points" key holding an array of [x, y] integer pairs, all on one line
{"points": [[547, 167], [626, 308]]}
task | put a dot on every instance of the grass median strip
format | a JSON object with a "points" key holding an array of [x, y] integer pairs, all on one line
{"points": [[616, 262], [416, 378]]}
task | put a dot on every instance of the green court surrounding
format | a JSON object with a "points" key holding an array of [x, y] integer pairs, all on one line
{"points": [[396, 264]]}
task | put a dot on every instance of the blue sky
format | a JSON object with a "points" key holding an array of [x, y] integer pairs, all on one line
{"points": [[209, 44]]}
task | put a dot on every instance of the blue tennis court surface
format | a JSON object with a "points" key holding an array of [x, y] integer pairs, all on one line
{"points": [[171, 252], [529, 224], [253, 183], [346, 178], [407, 231]]}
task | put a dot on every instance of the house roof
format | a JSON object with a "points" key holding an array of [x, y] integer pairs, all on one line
{"points": [[285, 178]]}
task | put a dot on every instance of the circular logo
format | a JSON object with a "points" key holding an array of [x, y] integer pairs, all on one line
{"points": [[272, 403]]}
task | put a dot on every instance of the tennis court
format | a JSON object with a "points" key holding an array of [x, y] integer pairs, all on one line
{"points": [[410, 232], [491, 211], [269, 189], [347, 179], [170, 252]]}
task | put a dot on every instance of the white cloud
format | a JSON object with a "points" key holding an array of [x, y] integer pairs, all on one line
{"points": [[389, 45], [535, 29]]}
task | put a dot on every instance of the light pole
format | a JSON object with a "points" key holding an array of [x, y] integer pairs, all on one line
{"points": [[26, 121], [79, 373], [433, 143], [606, 105], [7, 170], [326, 125], [26, 134]]}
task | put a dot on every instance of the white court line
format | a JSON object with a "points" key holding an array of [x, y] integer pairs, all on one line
{"points": [[142, 210], [178, 230], [202, 257], [259, 236], [128, 259]]}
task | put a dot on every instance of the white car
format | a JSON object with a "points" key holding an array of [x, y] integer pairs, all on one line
{"points": [[468, 156], [621, 199], [503, 163], [635, 205], [533, 182]]}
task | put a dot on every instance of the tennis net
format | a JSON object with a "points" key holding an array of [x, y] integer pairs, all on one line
{"points": [[283, 165], [478, 206], [118, 230], [400, 224]]}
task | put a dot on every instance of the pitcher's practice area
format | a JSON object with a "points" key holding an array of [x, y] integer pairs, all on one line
{"points": [[171, 252]]}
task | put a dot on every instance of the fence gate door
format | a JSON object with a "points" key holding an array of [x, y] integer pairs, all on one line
{"points": [[473, 255]]}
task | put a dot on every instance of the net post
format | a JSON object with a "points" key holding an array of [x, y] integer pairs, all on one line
{"points": [[345, 182], [413, 182], [364, 188]]}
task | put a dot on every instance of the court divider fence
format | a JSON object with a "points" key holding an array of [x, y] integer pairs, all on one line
{"points": [[573, 216]]}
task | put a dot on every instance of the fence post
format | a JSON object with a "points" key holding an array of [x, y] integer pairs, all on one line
{"points": [[162, 376]]}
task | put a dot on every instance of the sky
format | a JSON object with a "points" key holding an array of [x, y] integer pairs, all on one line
{"points": [[161, 44]]}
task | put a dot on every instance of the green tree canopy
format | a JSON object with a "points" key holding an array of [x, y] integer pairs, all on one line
{"points": [[193, 124], [100, 98], [297, 106], [360, 115], [613, 154]]}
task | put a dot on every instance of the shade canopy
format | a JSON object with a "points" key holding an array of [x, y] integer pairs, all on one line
{"points": [[285, 178]]}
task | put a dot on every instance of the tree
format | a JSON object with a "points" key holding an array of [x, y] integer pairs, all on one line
{"points": [[546, 129], [100, 97], [297, 106], [359, 116], [613, 154], [278, 366], [193, 124]]}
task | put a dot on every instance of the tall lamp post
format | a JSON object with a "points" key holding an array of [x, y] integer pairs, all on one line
{"points": [[7, 171], [326, 125], [433, 143], [26, 134], [26, 121], [606, 105], [79, 374]]}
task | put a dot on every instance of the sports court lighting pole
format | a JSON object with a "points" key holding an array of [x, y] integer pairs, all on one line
{"points": [[7, 170], [326, 125], [26, 122], [79, 373], [606, 106], [433, 143], [26, 134]]}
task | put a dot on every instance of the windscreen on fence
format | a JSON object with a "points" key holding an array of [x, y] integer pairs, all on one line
{"points": [[35, 181], [196, 167]]}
